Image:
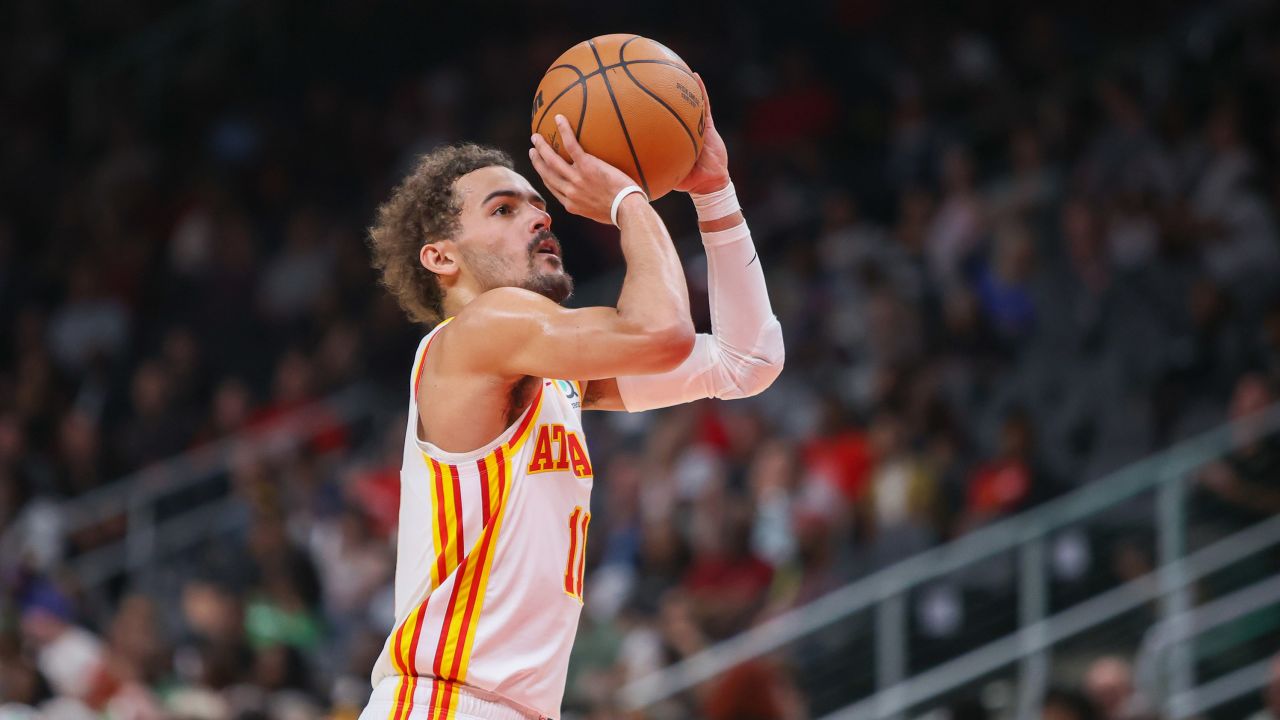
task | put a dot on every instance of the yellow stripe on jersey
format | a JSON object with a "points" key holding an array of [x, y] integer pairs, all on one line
{"points": [[485, 565], [446, 538], [523, 433], [439, 522], [457, 632], [403, 705], [444, 697], [463, 613]]}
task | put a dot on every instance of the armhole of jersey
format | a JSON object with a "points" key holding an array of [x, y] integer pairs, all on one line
{"points": [[415, 380], [419, 366], [509, 436]]}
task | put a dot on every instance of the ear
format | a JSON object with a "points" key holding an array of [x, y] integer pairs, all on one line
{"points": [[438, 257]]}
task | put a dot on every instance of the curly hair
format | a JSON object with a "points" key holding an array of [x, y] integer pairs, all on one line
{"points": [[423, 209]]}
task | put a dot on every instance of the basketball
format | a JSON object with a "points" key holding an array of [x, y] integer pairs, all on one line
{"points": [[631, 102]]}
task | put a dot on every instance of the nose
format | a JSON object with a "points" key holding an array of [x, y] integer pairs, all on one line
{"points": [[541, 219]]}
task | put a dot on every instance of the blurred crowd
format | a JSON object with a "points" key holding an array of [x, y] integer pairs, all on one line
{"points": [[1012, 248]]}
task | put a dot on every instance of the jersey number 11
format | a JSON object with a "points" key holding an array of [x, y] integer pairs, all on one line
{"points": [[573, 569]]}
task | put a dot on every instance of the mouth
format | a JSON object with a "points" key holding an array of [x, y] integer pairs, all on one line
{"points": [[548, 246]]}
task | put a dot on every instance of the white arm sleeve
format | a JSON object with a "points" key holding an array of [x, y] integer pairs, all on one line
{"points": [[743, 354]]}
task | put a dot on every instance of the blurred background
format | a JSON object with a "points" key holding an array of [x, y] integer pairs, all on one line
{"points": [[1023, 461]]}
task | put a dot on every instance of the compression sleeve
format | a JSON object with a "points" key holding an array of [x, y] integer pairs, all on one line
{"points": [[744, 353]]}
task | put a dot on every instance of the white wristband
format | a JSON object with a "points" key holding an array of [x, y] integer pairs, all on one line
{"points": [[718, 204], [617, 200]]}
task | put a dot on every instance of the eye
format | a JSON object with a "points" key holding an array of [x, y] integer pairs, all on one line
{"points": [[503, 209]]}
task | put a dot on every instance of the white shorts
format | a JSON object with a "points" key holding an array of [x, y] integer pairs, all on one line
{"points": [[466, 703]]}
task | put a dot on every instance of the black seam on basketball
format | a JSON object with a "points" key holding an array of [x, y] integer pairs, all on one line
{"points": [[649, 61], [621, 123], [583, 78], [582, 114], [623, 61], [580, 81]]}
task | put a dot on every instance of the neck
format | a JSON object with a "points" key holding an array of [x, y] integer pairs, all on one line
{"points": [[457, 298]]}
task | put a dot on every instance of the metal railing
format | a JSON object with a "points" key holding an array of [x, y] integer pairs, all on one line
{"points": [[1193, 702], [884, 594], [136, 499]]}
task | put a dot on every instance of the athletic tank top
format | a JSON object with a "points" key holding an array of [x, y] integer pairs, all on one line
{"points": [[490, 555]]}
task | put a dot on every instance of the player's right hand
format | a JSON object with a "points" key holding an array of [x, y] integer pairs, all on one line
{"points": [[585, 186], [711, 170]]}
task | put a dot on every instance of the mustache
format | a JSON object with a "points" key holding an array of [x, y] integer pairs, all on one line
{"points": [[544, 234]]}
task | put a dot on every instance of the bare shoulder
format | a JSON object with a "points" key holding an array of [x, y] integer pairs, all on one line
{"points": [[507, 305], [495, 321]]}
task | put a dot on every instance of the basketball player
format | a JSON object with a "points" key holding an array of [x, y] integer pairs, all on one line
{"points": [[496, 481]]}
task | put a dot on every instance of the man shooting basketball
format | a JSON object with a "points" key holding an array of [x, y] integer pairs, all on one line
{"points": [[496, 480]]}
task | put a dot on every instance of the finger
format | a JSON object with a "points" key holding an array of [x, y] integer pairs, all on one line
{"points": [[555, 182], [570, 140], [552, 177], [552, 158], [705, 97]]}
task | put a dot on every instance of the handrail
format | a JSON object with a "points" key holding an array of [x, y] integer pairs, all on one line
{"points": [[1002, 536], [203, 461], [133, 495], [1195, 701], [1090, 613]]}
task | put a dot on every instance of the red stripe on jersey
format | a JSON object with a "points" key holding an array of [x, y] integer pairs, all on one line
{"points": [[457, 512], [483, 466], [448, 619], [417, 633], [402, 707], [396, 646], [529, 413], [431, 708], [582, 553], [476, 578], [570, 566]]}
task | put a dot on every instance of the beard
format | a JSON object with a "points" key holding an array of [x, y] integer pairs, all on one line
{"points": [[557, 285], [554, 284]]}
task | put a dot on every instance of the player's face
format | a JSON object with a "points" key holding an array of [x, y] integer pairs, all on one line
{"points": [[506, 239]]}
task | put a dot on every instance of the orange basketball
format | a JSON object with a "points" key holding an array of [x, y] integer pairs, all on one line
{"points": [[631, 102]]}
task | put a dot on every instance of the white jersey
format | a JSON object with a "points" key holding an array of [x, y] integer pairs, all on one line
{"points": [[490, 558]]}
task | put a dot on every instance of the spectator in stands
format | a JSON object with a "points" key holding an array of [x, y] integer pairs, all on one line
{"points": [[756, 690], [282, 609], [1267, 350], [72, 659], [1270, 693], [1068, 704], [231, 407], [1012, 480], [1236, 228], [353, 564], [1109, 684], [1002, 285], [1244, 487], [899, 509], [157, 429], [726, 581], [960, 220]]}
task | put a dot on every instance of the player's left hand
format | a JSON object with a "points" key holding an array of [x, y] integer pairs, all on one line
{"points": [[711, 171]]}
